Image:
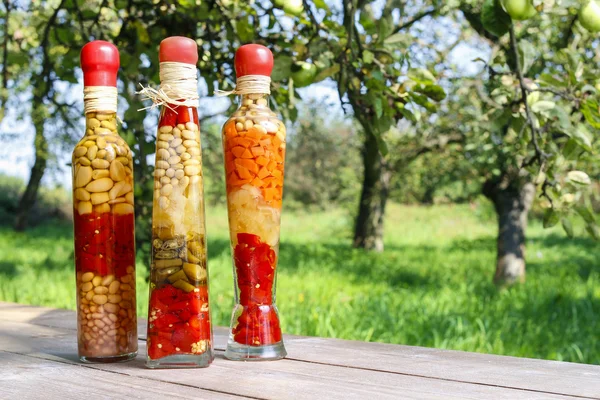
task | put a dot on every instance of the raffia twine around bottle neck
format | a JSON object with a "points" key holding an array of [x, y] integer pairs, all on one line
{"points": [[178, 86], [248, 84], [99, 98]]}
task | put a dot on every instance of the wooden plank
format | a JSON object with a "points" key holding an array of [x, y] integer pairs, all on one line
{"points": [[523, 373], [28, 377], [271, 380], [527, 374]]}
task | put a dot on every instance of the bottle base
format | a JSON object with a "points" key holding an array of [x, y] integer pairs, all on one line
{"points": [[182, 361], [109, 359], [241, 352]]}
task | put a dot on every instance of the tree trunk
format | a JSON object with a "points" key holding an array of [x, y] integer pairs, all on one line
{"points": [[512, 202], [37, 171], [368, 233]]}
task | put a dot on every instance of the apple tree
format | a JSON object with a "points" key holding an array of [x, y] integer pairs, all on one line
{"points": [[531, 117]]}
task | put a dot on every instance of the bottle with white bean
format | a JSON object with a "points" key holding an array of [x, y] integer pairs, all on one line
{"points": [[179, 325], [103, 214]]}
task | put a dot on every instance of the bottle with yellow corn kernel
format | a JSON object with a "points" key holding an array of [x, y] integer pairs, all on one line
{"points": [[103, 218], [179, 324], [254, 148]]}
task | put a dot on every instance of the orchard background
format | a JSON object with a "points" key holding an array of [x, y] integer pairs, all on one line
{"points": [[424, 138]]}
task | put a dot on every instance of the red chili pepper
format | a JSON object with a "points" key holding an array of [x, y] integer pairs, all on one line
{"points": [[248, 239], [159, 347], [104, 243], [179, 319], [183, 115], [165, 322], [255, 263], [168, 117]]}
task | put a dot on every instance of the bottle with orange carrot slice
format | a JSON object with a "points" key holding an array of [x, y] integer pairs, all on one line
{"points": [[254, 148]]}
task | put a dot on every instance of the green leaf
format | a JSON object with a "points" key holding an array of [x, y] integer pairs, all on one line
{"points": [[378, 105], [282, 68], [552, 80], [593, 230], [327, 72], [408, 115], [434, 92], [591, 112], [368, 57], [494, 19], [571, 149], [542, 105], [551, 218], [527, 55], [321, 4], [579, 178], [582, 136], [567, 226], [245, 30], [395, 38], [586, 213], [421, 75]]}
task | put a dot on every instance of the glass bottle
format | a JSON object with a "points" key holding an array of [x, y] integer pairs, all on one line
{"points": [[254, 149], [179, 324], [103, 215]]}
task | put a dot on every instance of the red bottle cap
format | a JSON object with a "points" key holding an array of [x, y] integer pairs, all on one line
{"points": [[100, 63], [253, 59], [178, 49]]}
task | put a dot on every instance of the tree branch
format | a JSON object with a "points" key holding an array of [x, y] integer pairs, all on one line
{"points": [[539, 154], [415, 19]]}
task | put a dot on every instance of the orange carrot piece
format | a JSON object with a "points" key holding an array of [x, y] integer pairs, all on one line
{"points": [[257, 183], [276, 142], [269, 194], [246, 154], [254, 133], [271, 166], [257, 151], [238, 151], [235, 181], [263, 173], [265, 142], [229, 166], [249, 164], [243, 172], [262, 161], [277, 173], [244, 142], [269, 180]]}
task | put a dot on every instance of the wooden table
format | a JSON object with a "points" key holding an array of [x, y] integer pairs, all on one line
{"points": [[38, 360]]}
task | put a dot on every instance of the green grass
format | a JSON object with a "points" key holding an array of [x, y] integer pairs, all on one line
{"points": [[431, 287]]}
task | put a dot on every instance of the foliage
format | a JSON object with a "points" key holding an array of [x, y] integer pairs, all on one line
{"points": [[531, 115], [322, 161], [429, 288], [53, 203]]}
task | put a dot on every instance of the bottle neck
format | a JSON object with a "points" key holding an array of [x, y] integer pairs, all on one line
{"points": [[254, 101], [101, 123]]}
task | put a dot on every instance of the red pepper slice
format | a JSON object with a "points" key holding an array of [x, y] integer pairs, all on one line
{"points": [[184, 336], [248, 239], [168, 118], [159, 347], [165, 322]]}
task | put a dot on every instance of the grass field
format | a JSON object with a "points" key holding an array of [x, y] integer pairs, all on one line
{"points": [[431, 287]]}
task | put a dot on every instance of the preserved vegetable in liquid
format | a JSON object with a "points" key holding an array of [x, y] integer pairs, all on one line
{"points": [[179, 326], [254, 148], [103, 215]]}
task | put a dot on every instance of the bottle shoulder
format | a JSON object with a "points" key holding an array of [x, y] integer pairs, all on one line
{"points": [[247, 116]]}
